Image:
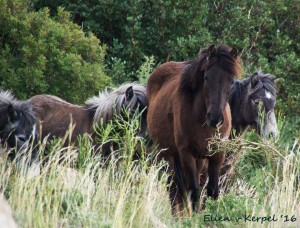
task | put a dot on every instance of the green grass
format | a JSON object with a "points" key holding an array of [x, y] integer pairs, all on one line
{"points": [[78, 187]]}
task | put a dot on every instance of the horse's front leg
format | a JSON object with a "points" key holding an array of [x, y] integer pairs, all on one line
{"points": [[191, 175], [175, 193], [214, 166]]}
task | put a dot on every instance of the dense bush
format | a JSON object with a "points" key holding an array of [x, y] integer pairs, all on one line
{"points": [[167, 30], [40, 54]]}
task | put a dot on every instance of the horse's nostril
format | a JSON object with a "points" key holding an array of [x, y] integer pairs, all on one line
{"points": [[215, 118]]}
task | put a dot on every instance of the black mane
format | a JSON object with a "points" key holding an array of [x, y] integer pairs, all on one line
{"points": [[193, 72], [23, 108], [190, 69]]}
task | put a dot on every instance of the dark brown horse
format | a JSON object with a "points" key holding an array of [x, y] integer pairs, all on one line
{"points": [[187, 101], [55, 115]]}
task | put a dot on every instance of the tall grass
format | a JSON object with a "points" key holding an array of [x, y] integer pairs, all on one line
{"points": [[78, 187]]}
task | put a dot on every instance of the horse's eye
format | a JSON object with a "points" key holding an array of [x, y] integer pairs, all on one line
{"points": [[256, 101]]}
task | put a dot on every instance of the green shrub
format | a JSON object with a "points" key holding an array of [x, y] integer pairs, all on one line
{"points": [[39, 54]]}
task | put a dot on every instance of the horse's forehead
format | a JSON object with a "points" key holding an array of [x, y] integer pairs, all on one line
{"points": [[259, 92], [268, 100], [216, 71], [268, 94]]}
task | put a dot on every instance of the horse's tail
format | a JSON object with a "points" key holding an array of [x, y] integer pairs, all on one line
{"points": [[180, 181]]}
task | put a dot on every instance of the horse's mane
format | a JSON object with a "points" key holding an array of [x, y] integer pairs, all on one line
{"points": [[22, 107], [196, 68], [237, 94], [239, 88], [6, 97], [265, 81], [108, 103]]}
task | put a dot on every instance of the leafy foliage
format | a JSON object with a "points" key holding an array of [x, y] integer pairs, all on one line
{"points": [[43, 55], [166, 30]]}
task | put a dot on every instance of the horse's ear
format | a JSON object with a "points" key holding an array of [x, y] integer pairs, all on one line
{"points": [[129, 93], [234, 52], [210, 51], [254, 80], [12, 115]]}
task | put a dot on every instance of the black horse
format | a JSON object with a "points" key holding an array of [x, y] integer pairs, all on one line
{"points": [[17, 126], [252, 102]]}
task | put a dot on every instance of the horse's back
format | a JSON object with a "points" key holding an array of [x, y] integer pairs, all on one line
{"points": [[55, 115], [48, 106], [161, 75], [50, 101]]}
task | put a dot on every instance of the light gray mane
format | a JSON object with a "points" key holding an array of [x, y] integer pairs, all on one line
{"points": [[24, 107], [108, 103], [6, 98]]}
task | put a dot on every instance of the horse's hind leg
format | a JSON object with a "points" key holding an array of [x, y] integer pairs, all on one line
{"points": [[214, 166]]}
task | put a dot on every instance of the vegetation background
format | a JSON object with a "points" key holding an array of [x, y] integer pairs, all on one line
{"points": [[73, 49]]}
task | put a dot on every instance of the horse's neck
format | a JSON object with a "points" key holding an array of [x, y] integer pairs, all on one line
{"points": [[191, 78], [197, 73], [199, 106]]}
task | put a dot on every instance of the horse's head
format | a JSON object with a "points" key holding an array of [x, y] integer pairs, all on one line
{"points": [[258, 107], [135, 103], [127, 99], [222, 64], [17, 123]]}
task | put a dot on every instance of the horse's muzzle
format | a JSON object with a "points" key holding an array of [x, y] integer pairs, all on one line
{"points": [[214, 120]]}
